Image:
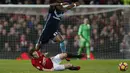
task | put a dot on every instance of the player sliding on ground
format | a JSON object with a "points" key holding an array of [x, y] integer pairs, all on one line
{"points": [[43, 63], [50, 31]]}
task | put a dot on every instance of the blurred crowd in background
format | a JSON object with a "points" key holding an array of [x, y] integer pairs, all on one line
{"points": [[19, 32], [81, 1]]}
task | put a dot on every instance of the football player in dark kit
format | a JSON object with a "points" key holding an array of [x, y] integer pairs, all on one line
{"points": [[50, 31]]}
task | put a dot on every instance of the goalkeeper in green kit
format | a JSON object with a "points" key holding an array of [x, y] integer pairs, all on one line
{"points": [[84, 35]]}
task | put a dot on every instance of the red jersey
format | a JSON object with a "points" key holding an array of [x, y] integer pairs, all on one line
{"points": [[42, 62]]}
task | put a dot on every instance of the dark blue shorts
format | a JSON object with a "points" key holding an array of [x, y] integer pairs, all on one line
{"points": [[48, 32]]}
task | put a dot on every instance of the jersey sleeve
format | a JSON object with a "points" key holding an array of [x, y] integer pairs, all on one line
{"points": [[80, 30]]}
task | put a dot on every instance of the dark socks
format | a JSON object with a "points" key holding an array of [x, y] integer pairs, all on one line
{"points": [[69, 55], [74, 68]]}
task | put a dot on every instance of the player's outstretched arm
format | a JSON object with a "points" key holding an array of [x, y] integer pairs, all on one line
{"points": [[60, 7], [72, 6], [59, 4]]}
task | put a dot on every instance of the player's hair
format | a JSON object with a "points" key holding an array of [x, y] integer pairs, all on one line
{"points": [[31, 52]]}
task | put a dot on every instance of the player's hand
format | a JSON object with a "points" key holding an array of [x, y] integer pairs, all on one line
{"points": [[77, 3], [65, 3]]}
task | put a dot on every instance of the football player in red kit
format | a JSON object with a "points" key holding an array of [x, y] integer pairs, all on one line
{"points": [[43, 63]]}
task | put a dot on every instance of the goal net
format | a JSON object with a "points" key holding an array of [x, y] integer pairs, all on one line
{"points": [[21, 25]]}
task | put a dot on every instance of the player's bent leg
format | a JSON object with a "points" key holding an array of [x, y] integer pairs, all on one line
{"points": [[68, 55], [58, 38], [67, 66], [58, 67], [64, 56], [61, 56], [58, 58]]}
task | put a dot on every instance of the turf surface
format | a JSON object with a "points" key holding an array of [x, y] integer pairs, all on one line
{"points": [[94, 66]]}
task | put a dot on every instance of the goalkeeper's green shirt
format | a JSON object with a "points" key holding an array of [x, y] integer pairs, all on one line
{"points": [[84, 31]]}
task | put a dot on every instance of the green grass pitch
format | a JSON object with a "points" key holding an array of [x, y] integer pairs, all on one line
{"points": [[88, 66]]}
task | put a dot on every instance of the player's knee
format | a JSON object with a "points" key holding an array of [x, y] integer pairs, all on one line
{"points": [[63, 55], [59, 40], [58, 37]]}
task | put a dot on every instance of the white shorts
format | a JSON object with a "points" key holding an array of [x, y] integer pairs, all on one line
{"points": [[56, 63]]}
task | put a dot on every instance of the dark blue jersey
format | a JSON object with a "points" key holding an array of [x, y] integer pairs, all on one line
{"points": [[51, 25], [53, 19]]}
